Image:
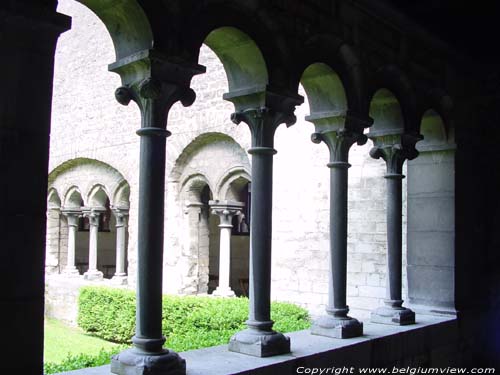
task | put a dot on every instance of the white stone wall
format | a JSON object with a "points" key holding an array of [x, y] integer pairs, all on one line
{"points": [[87, 122]]}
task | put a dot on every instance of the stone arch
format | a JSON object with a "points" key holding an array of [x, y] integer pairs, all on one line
{"points": [[126, 23], [90, 184], [53, 261], [391, 78], [325, 92], [441, 104], [121, 196], [386, 112], [192, 187], [434, 131], [343, 62], [53, 199], [73, 198], [97, 196], [242, 59], [224, 186], [85, 174], [191, 163]]}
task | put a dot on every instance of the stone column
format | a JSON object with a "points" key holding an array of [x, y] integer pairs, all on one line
{"points": [[93, 273], [339, 133], [155, 84], [29, 32], [394, 148], [72, 218], [121, 216], [259, 339], [226, 211]]}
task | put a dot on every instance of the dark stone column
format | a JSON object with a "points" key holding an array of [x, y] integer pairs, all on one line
{"points": [[155, 94], [339, 137], [394, 149], [28, 38], [259, 339]]}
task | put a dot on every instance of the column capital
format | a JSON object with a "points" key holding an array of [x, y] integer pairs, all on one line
{"points": [[93, 214], [72, 215], [226, 210], [155, 83], [263, 111], [121, 215], [394, 147], [339, 130]]}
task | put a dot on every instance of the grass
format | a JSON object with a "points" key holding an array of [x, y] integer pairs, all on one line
{"points": [[61, 340]]}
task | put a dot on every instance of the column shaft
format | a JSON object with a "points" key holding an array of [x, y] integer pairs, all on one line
{"points": [[93, 234], [148, 334], [394, 239], [71, 247], [338, 238], [225, 257], [260, 244], [394, 148], [120, 250], [336, 323]]}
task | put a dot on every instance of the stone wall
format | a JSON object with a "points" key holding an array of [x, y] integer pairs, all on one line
{"points": [[88, 123]]}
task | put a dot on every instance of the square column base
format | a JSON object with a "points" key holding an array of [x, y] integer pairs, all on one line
{"points": [[134, 362], [398, 316], [223, 292], [93, 275], [259, 343], [337, 327], [119, 279], [71, 272]]}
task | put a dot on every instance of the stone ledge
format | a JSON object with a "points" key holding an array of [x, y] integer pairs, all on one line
{"points": [[381, 345]]}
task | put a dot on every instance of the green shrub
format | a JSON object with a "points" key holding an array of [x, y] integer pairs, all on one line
{"points": [[189, 322], [78, 361]]}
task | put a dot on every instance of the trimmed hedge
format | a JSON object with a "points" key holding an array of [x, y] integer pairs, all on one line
{"points": [[78, 361], [189, 322]]}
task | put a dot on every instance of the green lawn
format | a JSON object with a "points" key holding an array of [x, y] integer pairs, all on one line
{"points": [[61, 340]]}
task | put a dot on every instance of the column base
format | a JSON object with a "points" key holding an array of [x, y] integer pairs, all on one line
{"points": [[398, 316], [134, 362], [259, 343], [93, 275], [119, 279], [71, 272], [223, 292], [337, 327]]}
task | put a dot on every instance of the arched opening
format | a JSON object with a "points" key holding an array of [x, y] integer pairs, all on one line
{"points": [[54, 261], [99, 204], [243, 61], [240, 191], [431, 218], [386, 113]]}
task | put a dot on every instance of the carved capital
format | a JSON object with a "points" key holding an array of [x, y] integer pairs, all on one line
{"points": [[155, 83], [394, 149], [226, 210], [339, 142], [339, 130], [72, 216], [263, 123], [93, 215], [121, 216]]}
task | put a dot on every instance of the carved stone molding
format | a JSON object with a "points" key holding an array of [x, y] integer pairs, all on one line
{"points": [[394, 148]]}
